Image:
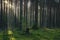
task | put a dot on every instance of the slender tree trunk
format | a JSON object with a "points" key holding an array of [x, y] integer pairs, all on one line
{"points": [[4, 23], [1, 14], [41, 13], [21, 2], [55, 17], [36, 15], [25, 17], [25, 13], [32, 13]]}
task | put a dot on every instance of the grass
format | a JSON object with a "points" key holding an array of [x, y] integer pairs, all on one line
{"points": [[1, 35], [40, 34]]}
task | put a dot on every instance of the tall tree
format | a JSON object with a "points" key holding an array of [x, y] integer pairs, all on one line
{"points": [[26, 17], [40, 13], [32, 12], [25, 12], [4, 23], [21, 3], [36, 15], [1, 14]]}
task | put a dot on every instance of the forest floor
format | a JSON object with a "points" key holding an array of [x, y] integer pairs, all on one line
{"points": [[40, 34]]}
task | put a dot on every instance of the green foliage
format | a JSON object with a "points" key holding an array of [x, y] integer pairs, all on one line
{"points": [[40, 34]]}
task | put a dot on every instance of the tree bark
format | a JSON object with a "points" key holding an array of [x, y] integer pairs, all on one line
{"points": [[21, 3], [36, 15]]}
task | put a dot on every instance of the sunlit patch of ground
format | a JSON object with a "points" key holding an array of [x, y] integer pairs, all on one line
{"points": [[12, 38], [10, 32]]}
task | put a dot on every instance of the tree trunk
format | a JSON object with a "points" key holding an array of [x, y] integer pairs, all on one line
{"points": [[36, 15], [21, 3]]}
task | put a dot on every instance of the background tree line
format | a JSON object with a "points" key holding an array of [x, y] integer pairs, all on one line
{"points": [[40, 14]]}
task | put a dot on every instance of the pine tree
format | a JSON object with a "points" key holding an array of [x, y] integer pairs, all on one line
{"points": [[36, 15], [21, 2]]}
